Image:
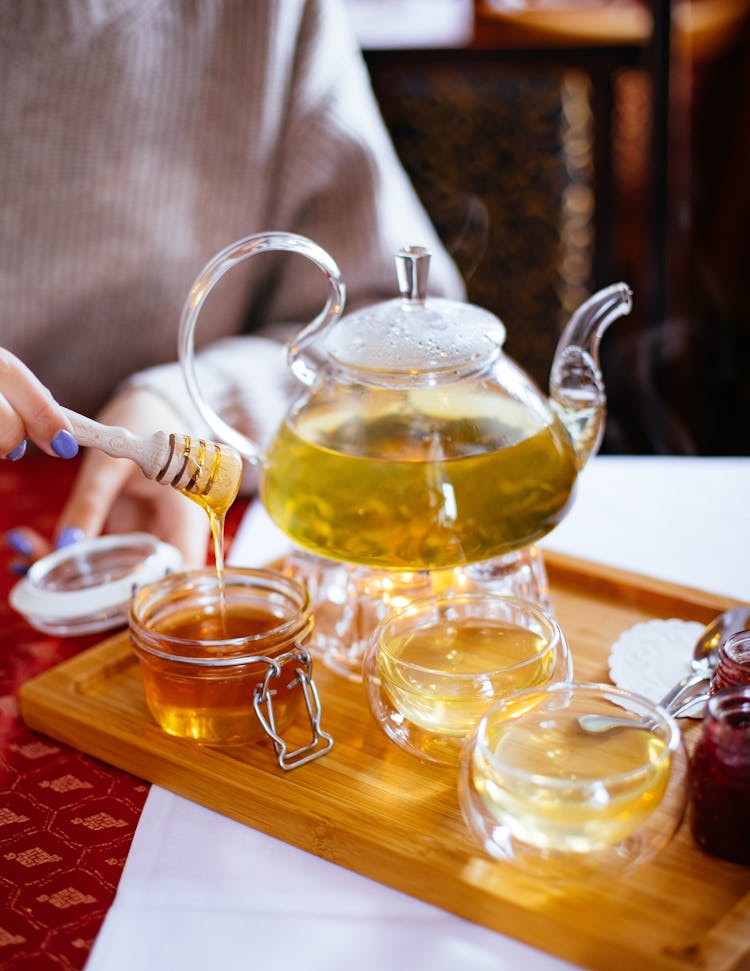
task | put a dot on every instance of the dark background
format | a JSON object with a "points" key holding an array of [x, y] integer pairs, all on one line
{"points": [[552, 171]]}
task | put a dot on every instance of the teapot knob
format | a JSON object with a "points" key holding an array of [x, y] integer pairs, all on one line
{"points": [[412, 270]]}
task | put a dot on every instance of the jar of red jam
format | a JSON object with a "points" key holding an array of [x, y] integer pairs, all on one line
{"points": [[733, 664], [721, 777]]}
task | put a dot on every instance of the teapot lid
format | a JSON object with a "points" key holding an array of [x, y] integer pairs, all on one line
{"points": [[412, 339]]}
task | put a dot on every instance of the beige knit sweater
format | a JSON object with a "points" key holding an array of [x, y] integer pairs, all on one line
{"points": [[138, 138]]}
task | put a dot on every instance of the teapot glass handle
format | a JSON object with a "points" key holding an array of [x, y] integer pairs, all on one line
{"points": [[304, 358]]}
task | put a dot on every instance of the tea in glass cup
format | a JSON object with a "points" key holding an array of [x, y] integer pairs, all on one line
{"points": [[433, 667], [572, 781]]}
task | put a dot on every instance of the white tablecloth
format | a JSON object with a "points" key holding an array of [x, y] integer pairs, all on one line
{"points": [[201, 891]]}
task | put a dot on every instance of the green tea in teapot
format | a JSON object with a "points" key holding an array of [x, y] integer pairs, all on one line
{"points": [[369, 477], [416, 443]]}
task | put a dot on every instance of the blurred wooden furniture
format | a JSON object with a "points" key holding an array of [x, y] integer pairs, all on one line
{"points": [[480, 123], [601, 38], [567, 23], [667, 154]]}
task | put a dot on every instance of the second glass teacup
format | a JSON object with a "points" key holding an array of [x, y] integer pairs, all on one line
{"points": [[432, 668], [574, 782]]}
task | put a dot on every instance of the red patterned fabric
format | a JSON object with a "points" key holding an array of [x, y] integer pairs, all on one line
{"points": [[66, 820]]}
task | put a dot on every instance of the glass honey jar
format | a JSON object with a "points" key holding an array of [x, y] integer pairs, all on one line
{"points": [[226, 663], [721, 777]]}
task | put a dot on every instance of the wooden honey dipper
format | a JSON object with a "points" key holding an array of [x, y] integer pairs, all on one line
{"points": [[204, 471]]}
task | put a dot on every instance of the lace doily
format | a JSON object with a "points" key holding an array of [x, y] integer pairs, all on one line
{"points": [[652, 656]]}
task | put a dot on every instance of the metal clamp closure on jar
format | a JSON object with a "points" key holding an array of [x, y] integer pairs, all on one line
{"points": [[263, 699], [229, 671]]}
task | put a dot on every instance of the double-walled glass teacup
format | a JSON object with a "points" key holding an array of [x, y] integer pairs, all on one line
{"points": [[574, 781], [432, 668]]}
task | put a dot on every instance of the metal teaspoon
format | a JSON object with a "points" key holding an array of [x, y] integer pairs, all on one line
{"points": [[693, 689]]}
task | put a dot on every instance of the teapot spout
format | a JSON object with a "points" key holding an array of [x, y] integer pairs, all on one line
{"points": [[577, 392]]}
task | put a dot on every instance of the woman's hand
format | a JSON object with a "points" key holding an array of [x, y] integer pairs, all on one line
{"points": [[112, 495], [28, 410]]}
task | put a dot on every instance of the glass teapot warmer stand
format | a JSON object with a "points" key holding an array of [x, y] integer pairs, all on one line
{"points": [[349, 600]]}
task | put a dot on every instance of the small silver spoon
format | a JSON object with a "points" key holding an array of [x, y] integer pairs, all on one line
{"points": [[692, 690], [598, 724], [707, 646]]}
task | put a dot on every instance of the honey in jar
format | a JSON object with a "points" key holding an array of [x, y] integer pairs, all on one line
{"points": [[203, 658]]}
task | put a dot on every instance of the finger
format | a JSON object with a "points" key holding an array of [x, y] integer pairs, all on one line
{"points": [[69, 536], [96, 488], [27, 543], [18, 452], [147, 506], [41, 418], [128, 515], [182, 522], [12, 430]]}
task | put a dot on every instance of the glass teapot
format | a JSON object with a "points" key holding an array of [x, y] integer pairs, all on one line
{"points": [[416, 443]]}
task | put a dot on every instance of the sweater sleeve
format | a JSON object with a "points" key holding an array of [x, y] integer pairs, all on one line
{"points": [[339, 182]]}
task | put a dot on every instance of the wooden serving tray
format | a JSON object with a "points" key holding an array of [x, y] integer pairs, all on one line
{"points": [[376, 810]]}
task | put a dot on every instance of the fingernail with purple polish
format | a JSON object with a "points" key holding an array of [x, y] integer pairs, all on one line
{"points": [[18, 452], [19, 542], [64, 445], [69, 536], [19, 569]]}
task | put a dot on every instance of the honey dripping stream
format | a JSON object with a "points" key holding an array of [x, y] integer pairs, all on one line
{"points": [[218, 492]]}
